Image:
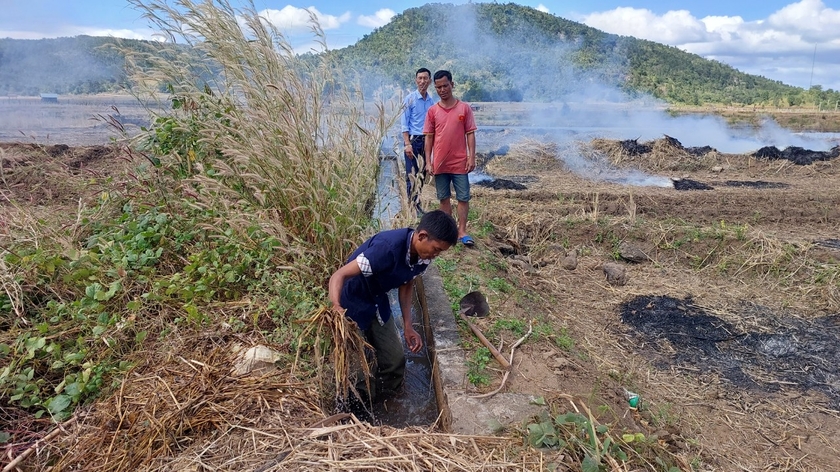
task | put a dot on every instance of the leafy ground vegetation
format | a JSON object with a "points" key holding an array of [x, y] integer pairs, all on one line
{"points": [[132, 274]]}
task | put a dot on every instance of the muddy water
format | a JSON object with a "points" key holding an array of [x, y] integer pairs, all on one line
{"points": [[416, 404]]}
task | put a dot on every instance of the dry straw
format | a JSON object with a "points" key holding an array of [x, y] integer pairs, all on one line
{"points": [[528, 154], [665, 154]]}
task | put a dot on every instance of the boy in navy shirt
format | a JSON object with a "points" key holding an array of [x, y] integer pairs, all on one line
{"points": [[389, 259]]}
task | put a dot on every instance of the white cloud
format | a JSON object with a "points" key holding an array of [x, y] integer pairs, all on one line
{"points": [[780, 47], [810, 18], [23, 34], [380, 18], [292, 20], [674, 27], [120, 33], [542, 8]]}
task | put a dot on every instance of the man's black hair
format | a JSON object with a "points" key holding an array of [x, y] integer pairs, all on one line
{"points": [[421, 70], [443, 73], [440, 226]]}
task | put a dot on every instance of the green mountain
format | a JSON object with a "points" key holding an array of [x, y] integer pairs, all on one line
{"points": [[511, 52], [496, 52]]}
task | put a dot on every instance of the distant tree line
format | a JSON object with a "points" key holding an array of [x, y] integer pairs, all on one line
{"points": [[496, 52]]}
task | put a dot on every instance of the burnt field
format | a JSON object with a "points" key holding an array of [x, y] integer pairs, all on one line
{"points": [[725, 317]]}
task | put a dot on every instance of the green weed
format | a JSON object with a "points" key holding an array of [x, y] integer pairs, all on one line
{"points": [[500, 285], [477, 367]]}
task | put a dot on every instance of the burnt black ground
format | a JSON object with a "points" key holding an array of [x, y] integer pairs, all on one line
{"points": [[757, 184], [797, 155], [501, 184], [800, 354], [689, 184]]}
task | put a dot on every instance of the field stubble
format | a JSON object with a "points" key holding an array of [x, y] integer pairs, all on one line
{"points": [[744, 257], [738, 289]]}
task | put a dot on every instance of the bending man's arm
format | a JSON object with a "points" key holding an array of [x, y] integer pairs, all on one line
{"points": [[351, 269], [412, 337]]}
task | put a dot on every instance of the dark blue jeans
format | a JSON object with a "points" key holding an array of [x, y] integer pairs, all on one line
{"points": [[413, 171]]}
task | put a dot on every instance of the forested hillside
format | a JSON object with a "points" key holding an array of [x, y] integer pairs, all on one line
{"points": [[497, 52], [512, 52]]}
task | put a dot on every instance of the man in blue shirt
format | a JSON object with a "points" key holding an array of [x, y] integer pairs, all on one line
{"points": [[388, 260], [415, 106]]}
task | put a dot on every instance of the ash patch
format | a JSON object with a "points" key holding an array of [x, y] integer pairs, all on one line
{"points": [[689, 184], [801, 354], [829, 243], [797, 155], [759, 184], [633, 148], [501, 184]]}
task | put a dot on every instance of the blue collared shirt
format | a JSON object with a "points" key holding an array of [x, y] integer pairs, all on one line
{"points": [[385, 261], [414, 112]]}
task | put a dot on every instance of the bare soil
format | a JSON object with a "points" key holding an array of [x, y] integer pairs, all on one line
{"points": [[727, 325]]}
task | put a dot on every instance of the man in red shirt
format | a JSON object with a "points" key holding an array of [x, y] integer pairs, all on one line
{"points": [[450, 145]]}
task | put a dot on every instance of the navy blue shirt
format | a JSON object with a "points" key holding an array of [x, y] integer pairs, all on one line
{"points": [[385, 260]]}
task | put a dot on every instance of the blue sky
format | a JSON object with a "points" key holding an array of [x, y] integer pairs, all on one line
{"points": [[796, 42]]}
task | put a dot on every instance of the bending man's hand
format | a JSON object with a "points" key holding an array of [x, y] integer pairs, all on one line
{"points": [[412, 339]]}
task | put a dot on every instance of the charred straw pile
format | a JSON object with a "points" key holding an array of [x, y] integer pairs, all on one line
{"points": [[659, 155], [797, 155]]}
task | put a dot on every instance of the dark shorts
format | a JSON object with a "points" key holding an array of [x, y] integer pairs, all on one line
{"points": [[461, 182]]}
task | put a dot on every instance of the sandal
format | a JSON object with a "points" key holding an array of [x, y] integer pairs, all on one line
{"points": [[467, 241]]}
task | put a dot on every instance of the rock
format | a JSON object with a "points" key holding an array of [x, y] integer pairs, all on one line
{"points": [[631, 253], [560, 363], [528, 268], [570, 261], [257, 359], [616, 273], [506, 249]]}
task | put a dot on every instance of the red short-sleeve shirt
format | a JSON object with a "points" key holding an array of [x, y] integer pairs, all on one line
{"points": [[450, 127]]}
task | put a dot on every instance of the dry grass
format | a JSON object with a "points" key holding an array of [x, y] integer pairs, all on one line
{"points": [[664, 155], [192, 413], [528, 153], [274, 132]]}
